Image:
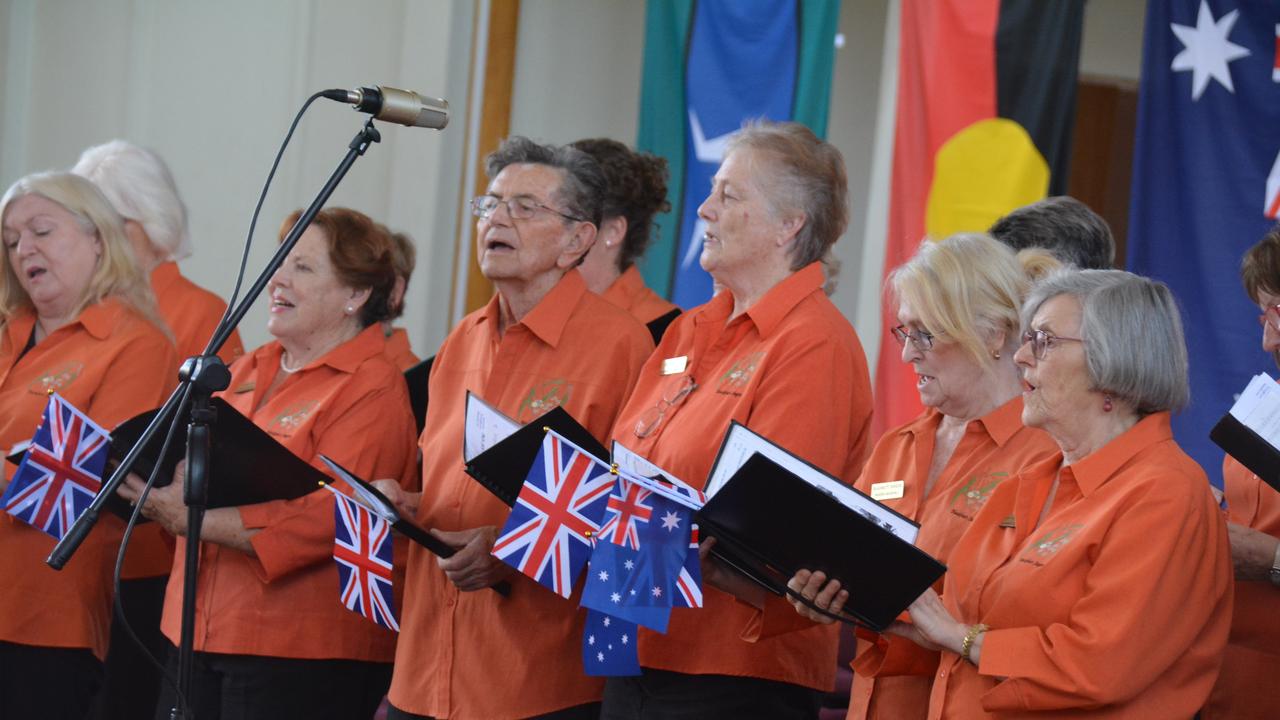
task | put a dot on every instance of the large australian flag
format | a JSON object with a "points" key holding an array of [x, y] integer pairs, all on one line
{"points": [[1206, 186]]}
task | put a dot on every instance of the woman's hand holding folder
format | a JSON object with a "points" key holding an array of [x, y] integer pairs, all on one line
{"points": [[814, 587], [404, 501], [473, 566]]}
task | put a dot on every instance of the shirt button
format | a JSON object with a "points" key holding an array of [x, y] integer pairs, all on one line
{"points": [[942, 674]]}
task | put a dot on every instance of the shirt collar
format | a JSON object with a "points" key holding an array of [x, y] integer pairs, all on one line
{"points": [[625, 288], [345, 358], [549, 317], [1004, 422], [1093, 471], [770, 309], [101, 318], [163, 276]]}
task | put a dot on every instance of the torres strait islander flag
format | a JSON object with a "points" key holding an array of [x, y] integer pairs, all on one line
{"points": [[985, 102], [709, 66], [1206, 187]]}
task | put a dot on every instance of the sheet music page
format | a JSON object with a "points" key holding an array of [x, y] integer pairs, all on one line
{"points": [[1258, 408], [639, 470], [485, 427], [371, 502], [741, 444]]}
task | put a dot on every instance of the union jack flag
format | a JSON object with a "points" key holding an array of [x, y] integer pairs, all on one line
{"points": [[549, 533], [626, 508], [362, 548], [61, 471]]}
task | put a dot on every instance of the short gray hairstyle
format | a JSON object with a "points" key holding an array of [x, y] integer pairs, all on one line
{"points": [[584, 186], [1065, 227], [1132, 330], [806, 174], [139, 185]]}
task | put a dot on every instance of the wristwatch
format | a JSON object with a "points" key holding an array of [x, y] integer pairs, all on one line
{"points": [[1275, 568]]}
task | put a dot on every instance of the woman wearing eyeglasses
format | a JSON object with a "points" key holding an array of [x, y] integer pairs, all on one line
{"points": [[1096, 583], [1252, 660], [772, 352], [958, 303]]}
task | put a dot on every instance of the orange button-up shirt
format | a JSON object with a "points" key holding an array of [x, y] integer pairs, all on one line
{"points": [[631, 294], [1251, 664], [1117, 605], [398, 350], [192, 313], [112, 364], [993, 449], [478, 654], [791, 368], [352, 406]]}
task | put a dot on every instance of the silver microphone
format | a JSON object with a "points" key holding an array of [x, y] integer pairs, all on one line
{"points": [[403, 107]]}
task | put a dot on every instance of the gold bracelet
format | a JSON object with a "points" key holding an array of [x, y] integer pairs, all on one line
{"points": [[969, 637]]}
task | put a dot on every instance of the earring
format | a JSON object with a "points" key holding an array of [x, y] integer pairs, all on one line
{"points": [[1106, 403], [350, 309], [996, 354]]}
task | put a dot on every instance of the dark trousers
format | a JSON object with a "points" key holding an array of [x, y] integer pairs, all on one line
{"points": [[590, 711], [663, 695], [247, 687], [131, 683], [47, 683]]}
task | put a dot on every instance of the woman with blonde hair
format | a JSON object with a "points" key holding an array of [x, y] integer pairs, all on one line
{"points": [[958, 303], [77, 318]]}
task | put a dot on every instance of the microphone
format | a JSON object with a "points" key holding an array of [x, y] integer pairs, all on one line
{"points": [[403, 107]]}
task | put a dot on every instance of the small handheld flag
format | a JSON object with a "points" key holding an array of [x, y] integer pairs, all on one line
{"points": [[362, 548]]}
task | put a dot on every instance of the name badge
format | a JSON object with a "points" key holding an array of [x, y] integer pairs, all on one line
{"points": [[887, 490], [675, 365]]}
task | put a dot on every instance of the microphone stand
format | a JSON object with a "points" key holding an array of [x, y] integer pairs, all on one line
{"points": [[200, 377]]}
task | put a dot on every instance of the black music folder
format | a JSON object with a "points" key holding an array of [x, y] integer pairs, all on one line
{"points": [[248, 466], [1249, 448], [503, 465], [768, 523], [416, 378]]}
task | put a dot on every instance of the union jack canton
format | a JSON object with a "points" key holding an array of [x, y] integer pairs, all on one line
{"points": [[362, 548], [61, 470], [549, 533]]}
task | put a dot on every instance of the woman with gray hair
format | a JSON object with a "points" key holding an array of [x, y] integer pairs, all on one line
{"points": [[1098, 582], [141, 188], [772, 352]]}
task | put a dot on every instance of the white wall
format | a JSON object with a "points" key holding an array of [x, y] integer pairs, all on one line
{"points": [[213, 86]]}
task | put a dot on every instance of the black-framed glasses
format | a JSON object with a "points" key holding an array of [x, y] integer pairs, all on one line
{"points": [[921, 339], [1042, 341], [520, 207], [675, 394], [1272, 313]]}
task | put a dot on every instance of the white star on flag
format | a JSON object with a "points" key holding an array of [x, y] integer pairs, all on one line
{"points": [[606, 622], [670, 521], [600, 657], [604, 575], [616, 597], [657, 591], [625, 639], [1207, 52], [591, 639], [630, 565]]}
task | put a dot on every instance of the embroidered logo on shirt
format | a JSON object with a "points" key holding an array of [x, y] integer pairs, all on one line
{"points": [[734, 380], [1047, 545], [970, 497], [291, 418], [542, 397], [56, 379]]}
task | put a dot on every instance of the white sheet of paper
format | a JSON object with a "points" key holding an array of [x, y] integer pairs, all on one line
{"points": [[370, 501], [485, 427], [1259, 408], [742, 443], [638, 469]]}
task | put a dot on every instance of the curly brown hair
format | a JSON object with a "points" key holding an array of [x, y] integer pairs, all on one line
{"points": [[1260, 268], [637, 190], [363, 255]]}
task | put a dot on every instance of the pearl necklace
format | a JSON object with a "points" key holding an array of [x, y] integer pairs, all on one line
{"points": [[288, 370]]}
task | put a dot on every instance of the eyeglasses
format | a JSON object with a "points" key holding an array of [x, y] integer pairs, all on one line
{"points": [[675, 394], [519, 207], [1041, 341], [921, 339], [1273, 311]]}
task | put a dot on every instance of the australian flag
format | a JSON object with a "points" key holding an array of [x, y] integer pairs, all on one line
{"points": [[550, 531], [656, 565], [1206, 187], [362, 547], [61, 471], [609, 646]]}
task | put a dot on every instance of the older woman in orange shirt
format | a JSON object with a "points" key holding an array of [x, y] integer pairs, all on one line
{"points": [[772, 352], [1252, 661], [272, 637], [1097, 583], [76, 317], [958, 303]]}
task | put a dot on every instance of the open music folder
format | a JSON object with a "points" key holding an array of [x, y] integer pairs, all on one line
{"points": [[499, 451], [1250, 431], [772, 513]]}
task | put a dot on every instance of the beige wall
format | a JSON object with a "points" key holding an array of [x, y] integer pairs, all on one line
{"points": [[213, 86]]}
